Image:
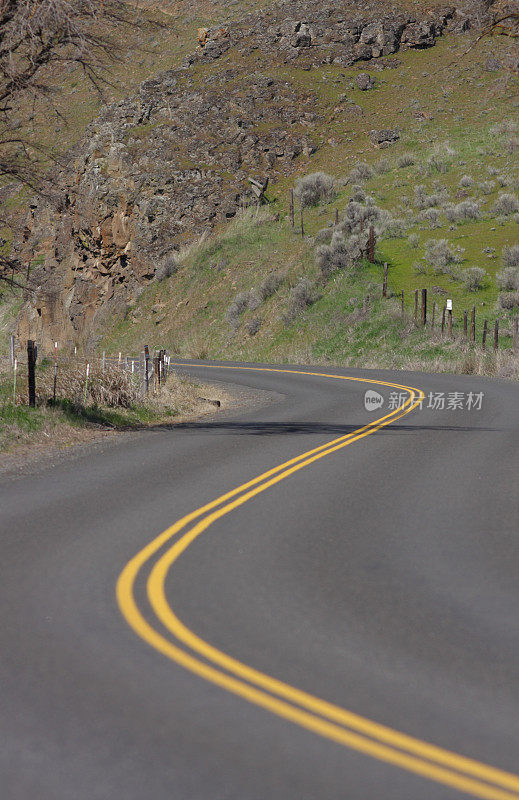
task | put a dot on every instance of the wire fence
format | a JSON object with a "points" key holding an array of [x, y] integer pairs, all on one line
{"points": [[114, 378]]}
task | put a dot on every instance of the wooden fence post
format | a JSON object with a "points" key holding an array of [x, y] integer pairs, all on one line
{"points": [[450, 322], [484, 342], [384, 284], [443, 319], [496, 334], [32, 353], [302, 225], [465, 324], [416, 305], [402, 304], [473, 324], [371, 245], [516, 334], [433, 314], [11, 350], [424, 307], [291, 207]]}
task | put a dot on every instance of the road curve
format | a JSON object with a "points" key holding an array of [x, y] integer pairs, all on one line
{"points": [[307, 600]]}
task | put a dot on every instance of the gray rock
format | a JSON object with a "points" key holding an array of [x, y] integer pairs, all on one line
{"points": [[383, 138], [363, 81]]}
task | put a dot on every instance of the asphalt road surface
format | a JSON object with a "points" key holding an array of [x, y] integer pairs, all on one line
{"points": [[343, 626]]}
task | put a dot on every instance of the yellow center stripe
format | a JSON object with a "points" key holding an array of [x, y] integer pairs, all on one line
{"points": [[340, 725]]}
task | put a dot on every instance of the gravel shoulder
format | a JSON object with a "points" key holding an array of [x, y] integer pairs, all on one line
{"points": [[35, 457]]}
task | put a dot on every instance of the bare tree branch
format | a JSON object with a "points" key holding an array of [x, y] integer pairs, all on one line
{"points": [[35, 36]]}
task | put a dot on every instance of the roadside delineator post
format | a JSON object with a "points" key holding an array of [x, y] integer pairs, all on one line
{"points": [[86, 382], [450, 322], [15, 369]]}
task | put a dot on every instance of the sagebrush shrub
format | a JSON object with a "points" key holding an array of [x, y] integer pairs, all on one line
{"points": [[432, 216], [270, 285], [395, 228], [423, 200], [406, 160], [254, 300], [413, 240], [506, 204], [440, 254], [473, 278], [508, 300], [168, 268], [510, 256], [358, 194], [450, 212], [302, 295], [467, 209], [360, 172], [236, 309], [341, 253], [253, 326], [508, 279], [487, 187], [466, 181], [383, 166], [315, 188]]}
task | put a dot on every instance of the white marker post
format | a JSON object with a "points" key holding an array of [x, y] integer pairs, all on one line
{"points": [[55, 371], [86, 382]]}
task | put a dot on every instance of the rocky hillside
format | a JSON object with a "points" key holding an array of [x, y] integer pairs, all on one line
{"points": [[157, 170]]}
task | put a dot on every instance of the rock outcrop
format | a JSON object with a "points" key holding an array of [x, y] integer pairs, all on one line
{"points": [[157, 170]]}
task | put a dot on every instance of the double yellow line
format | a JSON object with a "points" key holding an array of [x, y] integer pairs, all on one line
{"points": [[335, 723]]}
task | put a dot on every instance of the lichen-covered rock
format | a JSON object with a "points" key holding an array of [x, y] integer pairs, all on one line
{"points": [[364, 82], [384, 137]]}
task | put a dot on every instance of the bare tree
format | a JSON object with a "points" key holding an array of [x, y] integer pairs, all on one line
{"points": [[38, 38]]}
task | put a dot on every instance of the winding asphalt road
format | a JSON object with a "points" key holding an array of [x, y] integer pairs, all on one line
{"points": [[345, 626]]}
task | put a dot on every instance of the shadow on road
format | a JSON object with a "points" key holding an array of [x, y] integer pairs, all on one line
{"points": [[284, 428]]}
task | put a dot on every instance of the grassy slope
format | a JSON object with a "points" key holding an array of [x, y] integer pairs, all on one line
{"points": [[460, 103]]}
